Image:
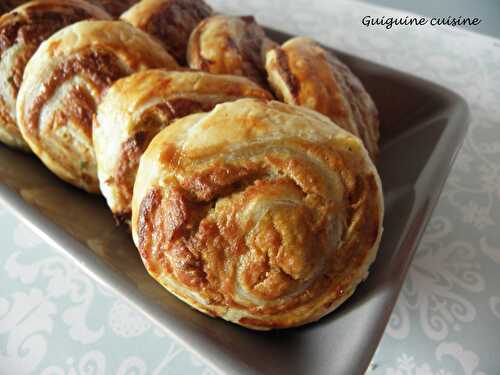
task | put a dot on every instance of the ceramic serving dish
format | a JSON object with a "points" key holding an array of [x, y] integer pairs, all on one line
{"points": [[423, 126]]}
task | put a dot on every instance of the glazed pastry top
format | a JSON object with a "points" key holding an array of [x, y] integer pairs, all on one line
{"points": [[265, 214], [230, 45], [21, 32], [136, 108], [301, 72], [170, 21], [63, 84]]}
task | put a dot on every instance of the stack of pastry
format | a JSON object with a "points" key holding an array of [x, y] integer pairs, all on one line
{"points": [[244, 169]]}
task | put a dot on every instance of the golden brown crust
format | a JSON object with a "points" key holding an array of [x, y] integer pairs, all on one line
{"points": [[136, 108], [63, 84], [170, 21], [230, 45], [264, 214], [21, 32], [303, 73]]}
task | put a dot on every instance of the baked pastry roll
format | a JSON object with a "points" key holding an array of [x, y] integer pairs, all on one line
{"points": [[21, 32], [230, 45], [63, 84], [264, 214], [136, 108], [170, 21], [301, 72]]}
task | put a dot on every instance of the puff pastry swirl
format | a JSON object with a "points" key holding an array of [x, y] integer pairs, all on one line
{"points": [[136, 108], [63, 84], [21, 32], [170, 21], [265, 214], [230, 45], [301, 72]]}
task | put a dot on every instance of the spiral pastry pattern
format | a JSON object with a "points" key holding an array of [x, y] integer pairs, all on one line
{"points": [[21, 32], [301, 72], [265, 214], [169, 21], [63, 84], [137, 107], [230, 45]]}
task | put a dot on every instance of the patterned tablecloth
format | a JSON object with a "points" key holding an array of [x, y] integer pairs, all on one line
{"points": [[56, 320]]}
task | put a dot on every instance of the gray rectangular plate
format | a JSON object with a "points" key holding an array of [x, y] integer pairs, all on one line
{"points": [[423, 126]]}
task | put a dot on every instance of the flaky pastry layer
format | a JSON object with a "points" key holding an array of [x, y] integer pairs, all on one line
{"points": [[21, 32], [63, 84], [265, 214], [229, 45], [136, 108], [169, 21], [301, 72]]}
